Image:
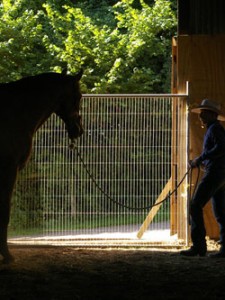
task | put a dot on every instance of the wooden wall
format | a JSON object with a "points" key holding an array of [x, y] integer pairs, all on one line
{"points": [[201, 61]]}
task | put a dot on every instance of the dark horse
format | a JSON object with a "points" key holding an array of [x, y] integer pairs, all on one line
{"points": [[24, 106]]}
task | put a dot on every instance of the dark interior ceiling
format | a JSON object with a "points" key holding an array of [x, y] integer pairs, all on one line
{"points": [[201, 17]]}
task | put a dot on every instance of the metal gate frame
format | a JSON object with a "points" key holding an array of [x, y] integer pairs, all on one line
{"points": [[179, 205]]}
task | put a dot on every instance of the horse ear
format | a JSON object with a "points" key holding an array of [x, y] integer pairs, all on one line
{"points": [[64, 71], [79, 74]]}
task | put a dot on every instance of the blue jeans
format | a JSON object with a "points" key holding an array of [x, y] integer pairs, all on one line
{"points": [[211, 186]]}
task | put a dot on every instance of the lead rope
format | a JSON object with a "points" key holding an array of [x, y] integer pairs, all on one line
{"points": [[191, 194], [73, 146]]}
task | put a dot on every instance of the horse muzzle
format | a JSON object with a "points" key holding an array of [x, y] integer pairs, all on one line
{"points": [[75, 129]]}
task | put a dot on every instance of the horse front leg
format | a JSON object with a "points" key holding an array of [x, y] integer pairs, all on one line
{"points": [[7, 180], [4, 251]]}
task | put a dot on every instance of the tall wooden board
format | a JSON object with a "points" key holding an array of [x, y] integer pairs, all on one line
{"points": [[201, 61]]}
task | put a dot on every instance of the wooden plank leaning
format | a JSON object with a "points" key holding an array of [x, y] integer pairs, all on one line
{"points": [[154, 209]]}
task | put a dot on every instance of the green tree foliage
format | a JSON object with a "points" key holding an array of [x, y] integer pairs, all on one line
{"points": [[123, 46]]}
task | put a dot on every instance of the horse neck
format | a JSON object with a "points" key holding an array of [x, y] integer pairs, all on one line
{"points": [[39, 116], [35, 113], [30, 101]]}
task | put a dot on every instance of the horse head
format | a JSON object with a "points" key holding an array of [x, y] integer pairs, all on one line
{"points": [[69, 105]]}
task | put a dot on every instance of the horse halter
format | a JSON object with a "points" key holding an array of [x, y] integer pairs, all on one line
{"points": [[72, 145], [74, 127]]}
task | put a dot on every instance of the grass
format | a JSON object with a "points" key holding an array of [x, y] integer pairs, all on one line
{"points": [[63, 223]]}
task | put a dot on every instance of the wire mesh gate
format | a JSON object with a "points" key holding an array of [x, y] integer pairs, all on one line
{"points": [[128, 148]]}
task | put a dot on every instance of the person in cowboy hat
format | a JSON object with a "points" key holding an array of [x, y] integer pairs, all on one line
{"points": [[212, 184]]}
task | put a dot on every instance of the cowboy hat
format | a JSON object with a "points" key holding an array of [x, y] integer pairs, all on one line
{"points": [[212, 106]]}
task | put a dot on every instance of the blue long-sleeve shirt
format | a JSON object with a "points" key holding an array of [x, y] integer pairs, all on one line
{"points": [[213, 154]]}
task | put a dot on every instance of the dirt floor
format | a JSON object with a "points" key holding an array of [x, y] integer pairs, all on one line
{"points": [[71, 273]]}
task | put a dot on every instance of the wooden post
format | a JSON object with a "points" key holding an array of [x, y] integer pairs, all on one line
{"points": [[154, 209], [173, 202]]}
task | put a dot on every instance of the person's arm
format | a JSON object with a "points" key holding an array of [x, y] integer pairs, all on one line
{"points": [[217, 136]]}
